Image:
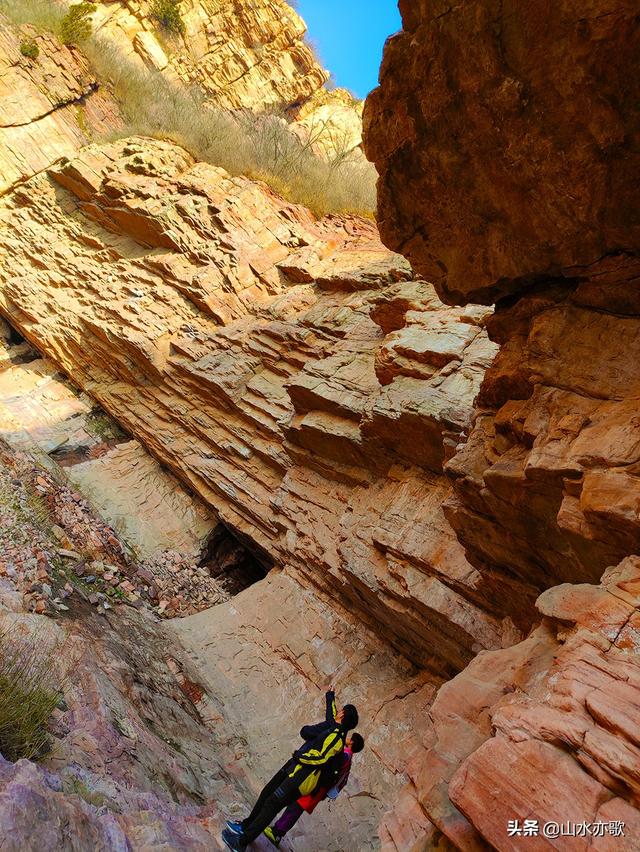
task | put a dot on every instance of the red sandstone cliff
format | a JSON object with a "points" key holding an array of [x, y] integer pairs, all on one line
{"points": [[506, 141], [320, 398]]}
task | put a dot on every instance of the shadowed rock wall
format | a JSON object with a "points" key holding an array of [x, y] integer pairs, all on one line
{"points": [[506, 141], [506, 138]]}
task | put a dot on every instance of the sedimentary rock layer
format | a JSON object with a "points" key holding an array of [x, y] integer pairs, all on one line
{"points": [[289, 370], [548, 486], [544, 731], [48, 108], [505, 140], [242, 54]]}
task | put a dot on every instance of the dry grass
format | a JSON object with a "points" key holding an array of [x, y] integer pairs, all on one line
{"points": [[29, 693], [44, 15], [259, 146]]}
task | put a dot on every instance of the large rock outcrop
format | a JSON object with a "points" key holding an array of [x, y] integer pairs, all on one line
{"points": [[48, 108], [506, 140], [243, 54], [548, 486], [544, 731], [509, 170], [289, 370]]}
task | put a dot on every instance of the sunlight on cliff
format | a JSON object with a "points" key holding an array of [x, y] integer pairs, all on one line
{"points": [[260, 146]]}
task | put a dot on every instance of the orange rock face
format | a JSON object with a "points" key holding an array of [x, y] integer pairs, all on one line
{"points": [[289, 370], [543, 731], [504, 140], [547, 488], [48, 108], [242, 54]]}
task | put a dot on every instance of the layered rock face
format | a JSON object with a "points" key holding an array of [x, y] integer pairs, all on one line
{"points": [[548, 486], [505, 140], [544, 731], [48, 108], [509, 170], [289, 370], [242, 54]]}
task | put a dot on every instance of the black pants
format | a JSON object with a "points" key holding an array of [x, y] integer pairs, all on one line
{"points": [[279, 793]]}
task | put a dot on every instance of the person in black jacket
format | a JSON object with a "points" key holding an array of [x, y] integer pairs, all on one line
{"points": [[299, 776]]}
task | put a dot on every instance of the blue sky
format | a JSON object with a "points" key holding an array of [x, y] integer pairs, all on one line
{"points": [[349, 35]]}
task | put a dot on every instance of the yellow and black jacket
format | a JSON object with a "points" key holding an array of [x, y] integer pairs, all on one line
{"points": [[323, 744]]}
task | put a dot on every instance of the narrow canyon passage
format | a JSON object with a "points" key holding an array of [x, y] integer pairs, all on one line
{"points": [[258, 664], [260, 435]]}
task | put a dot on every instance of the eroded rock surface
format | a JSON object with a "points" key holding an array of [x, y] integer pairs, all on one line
{"points": [[503, 137], [548, 486], [269, 655], [242, 54], [546, 730], [48, 108], [289, 370]]}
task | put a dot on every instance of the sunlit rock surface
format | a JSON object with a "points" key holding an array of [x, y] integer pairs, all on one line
{"points": [[250, 347], [48, 108]]}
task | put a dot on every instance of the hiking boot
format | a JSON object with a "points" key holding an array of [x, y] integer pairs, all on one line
{"points": [[273, 837], [235, 827], [233, 841]]}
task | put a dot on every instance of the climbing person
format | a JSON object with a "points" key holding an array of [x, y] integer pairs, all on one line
{"points": [[299, 776], [331, 785]]}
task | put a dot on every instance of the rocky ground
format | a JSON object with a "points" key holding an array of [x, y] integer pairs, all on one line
{"points": [[83, 555], [61, 442], [437, 502], [87, 558]]}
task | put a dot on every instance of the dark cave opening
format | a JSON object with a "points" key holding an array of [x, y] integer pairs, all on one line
{"points": [[15, 338], [235, 563]]}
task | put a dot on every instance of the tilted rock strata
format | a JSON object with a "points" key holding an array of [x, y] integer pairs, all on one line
{"points": [[546, 730], [233, 335], [242, 54], [505, 140], [48, 108], [547, 488]]}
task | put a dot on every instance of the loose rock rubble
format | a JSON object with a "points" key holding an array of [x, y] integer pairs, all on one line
{"points": [[53, 547], [177, 585]]}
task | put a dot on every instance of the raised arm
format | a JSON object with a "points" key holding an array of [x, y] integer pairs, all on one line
{"points": [[331, 706], [310, 732]]}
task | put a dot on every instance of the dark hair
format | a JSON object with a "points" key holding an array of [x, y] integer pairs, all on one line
{"points": [[357, 742], [350, 720]]}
